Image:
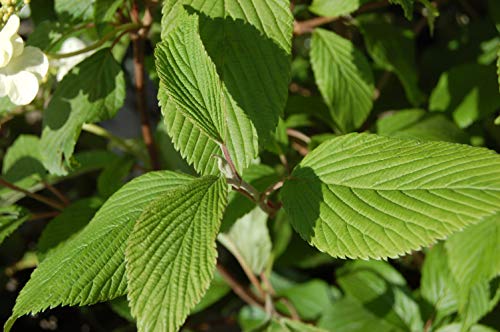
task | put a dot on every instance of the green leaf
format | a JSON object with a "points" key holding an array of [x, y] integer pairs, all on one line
{"points": [[437, 284], [457, 327], [382, 291], [71, 220], [249, 239], [169, 157], [78, 100], [271, 18], [334, 8], [344, 78], [192, 143], [217, 290], [121, 306], [91, 266], [22, 164], [197, 91], [473, 253], [105, 10], [468, 91], [350, 315], [11, 218], [171, 253], [482, 298], [393, 49], [70, 10], [418, 124], [288, 325], [407, 6], [366, 196], [113, 175], [310, 299]]}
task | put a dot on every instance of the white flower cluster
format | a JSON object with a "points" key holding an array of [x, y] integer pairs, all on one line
{"points": [[21, 68]]}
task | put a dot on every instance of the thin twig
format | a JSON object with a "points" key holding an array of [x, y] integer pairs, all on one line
{"points": [[40, 198], [65, 200], [243, 292], [138, 45], [44, 215], [298, 135], [300, 28]]}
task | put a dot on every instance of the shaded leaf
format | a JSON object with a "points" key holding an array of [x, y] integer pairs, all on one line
{"points": [[11, 218]]}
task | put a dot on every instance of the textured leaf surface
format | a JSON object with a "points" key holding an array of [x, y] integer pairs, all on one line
{"points": [[171, 253], [344, 78], [249, 239], [418, 124], [190, 79], [71, 220], [335, 8], [11, 218], [271, 17], [392, 48], [366, 196], [91, 267], [78, 100], [469, 92]]}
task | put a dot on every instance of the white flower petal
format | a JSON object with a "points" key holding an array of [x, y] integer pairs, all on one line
{"points": [[11, 27], [32, 60], [22, 87], [6, 51], [17, 44], [3, 85]]}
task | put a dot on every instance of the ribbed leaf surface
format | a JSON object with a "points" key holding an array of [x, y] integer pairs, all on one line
{"points": [[91, 267], [189, 78], [344, 78], [366, 196], [171, 253]]}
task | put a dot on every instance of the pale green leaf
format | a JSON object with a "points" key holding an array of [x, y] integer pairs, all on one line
{"points": [[334, 8], [344, 78], [457, 327], [78, 100], [310, 299], [366, 196], [197, 91], [11, 218], [105, 10], [393, 49], [71, 220], [418, 124], [249, 239], [482, 298], [171, 253], [217, 290], [473, 253], [91, 267], [350, 315], [70, 10], [382, 291], [407, 6], [437, 285], [468, 91]]}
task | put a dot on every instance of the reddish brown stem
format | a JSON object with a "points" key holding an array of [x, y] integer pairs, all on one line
{"points": [[44, 215], [40, 198], [65, 200], [243, 292], [138, 45]]}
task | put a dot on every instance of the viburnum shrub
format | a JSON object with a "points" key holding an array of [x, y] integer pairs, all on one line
{"points": [[324, 165]]}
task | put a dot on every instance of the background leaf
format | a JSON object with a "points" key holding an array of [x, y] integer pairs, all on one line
{"points": [[78, 100], [344, 78]]}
